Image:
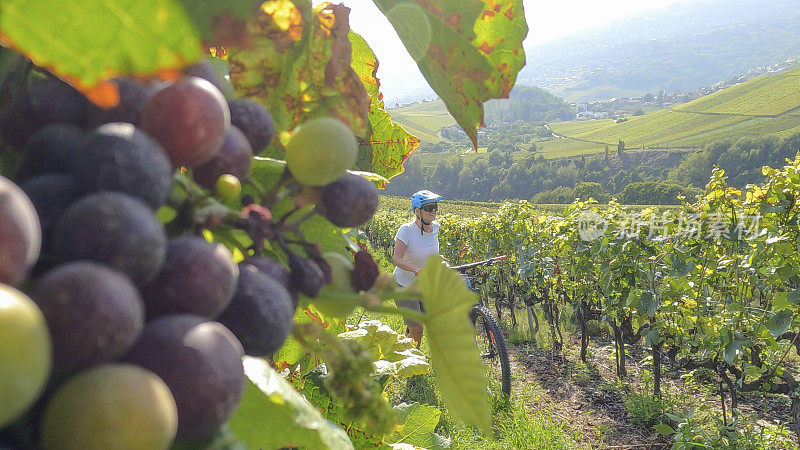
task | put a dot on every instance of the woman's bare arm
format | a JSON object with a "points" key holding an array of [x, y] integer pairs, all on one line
{"points": [[397, 257]]}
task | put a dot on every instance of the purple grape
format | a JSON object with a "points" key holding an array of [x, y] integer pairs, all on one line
{"points": [[94, 314], [260, 313], [113, 229], [20, 234], [254, 120], [133, 96], [198, 277], [201, 363], [190, 119], [234, 158], [119, 157], [50, 150], [349, 201]]}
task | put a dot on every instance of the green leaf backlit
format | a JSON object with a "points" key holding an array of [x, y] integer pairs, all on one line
{"points": [[272, 414], [460, 374]]}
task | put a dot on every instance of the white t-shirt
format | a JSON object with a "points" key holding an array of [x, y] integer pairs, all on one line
{"points": [[419, 246]]}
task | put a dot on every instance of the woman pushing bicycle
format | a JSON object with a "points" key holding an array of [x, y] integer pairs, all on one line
{"points": [[414, 242]]}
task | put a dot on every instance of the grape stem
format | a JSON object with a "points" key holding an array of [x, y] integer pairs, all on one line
{"points": [[272, 196]]}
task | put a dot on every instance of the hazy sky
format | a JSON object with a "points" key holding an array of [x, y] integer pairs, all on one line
{"points": [[547, 20]]}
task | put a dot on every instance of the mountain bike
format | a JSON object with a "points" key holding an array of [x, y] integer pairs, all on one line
{"points": [[488, 333]]}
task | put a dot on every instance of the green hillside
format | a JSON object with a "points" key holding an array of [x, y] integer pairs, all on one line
{"points": [[424, 120], [767, 104]]}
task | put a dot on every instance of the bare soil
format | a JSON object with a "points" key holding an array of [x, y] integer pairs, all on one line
{"points": [[589, 399]]}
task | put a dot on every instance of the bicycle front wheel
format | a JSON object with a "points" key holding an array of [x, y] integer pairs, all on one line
{"points": [[492, 345]]}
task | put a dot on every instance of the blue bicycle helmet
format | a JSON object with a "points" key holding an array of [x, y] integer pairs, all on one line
{"points": [[423, 198]]}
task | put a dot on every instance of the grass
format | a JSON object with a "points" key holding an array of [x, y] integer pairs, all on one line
{"points": [[424, 120]]}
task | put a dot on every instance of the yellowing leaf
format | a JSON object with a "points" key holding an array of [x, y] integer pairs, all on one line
{"points": [[86, 42], [299, 67], [469, 50]]}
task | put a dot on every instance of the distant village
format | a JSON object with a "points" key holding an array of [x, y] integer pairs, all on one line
{"points": [[618, 108]]}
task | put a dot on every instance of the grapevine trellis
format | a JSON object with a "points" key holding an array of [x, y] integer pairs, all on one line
{"points": [[712, 284]]}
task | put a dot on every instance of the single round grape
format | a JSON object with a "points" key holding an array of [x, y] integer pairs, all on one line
{"points": [[234, 158], [113, 229], [254, 120], [119, 406], [50, 194], [321, 151], [260, 314], [198, 277], [25, 353], [133, 96], [20, 233], [50, 150], [94, 313], [190, 119], [349, 201], [228, 187], [119, 157], [201, 362], [305, 275]]}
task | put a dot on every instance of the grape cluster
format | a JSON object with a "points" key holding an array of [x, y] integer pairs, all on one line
{"points": [[104, 308]]}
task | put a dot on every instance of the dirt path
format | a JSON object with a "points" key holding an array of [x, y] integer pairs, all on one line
{"points": [[582, 396], [589, 399]]}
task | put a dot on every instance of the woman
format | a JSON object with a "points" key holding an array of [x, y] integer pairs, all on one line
{"points": [[414, 242]]}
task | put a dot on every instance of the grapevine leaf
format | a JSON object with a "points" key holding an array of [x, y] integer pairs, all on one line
{"points": [[221, 23], [90, 41], [388, 144], [469, 50], [394, 355], [652, 338], [779, 323], [647, 303], [460, 374], [664, 430], [272, 414], [416, 425], [793, 297], [299, 67]]}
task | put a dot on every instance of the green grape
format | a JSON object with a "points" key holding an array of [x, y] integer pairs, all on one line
{"points": [[321, 151], [25, 353], [119, 406], [228, 187]]}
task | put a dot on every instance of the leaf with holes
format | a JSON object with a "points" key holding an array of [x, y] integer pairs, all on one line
{"points": [[388, 145], [299, 67]]}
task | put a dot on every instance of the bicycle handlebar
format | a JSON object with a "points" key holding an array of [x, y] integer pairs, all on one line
{"points": [[462, 268]]}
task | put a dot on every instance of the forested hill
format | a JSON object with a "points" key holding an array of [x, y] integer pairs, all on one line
{"points": [[686, 46], [528, 104]]}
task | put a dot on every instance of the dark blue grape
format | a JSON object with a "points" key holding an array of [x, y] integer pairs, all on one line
{"points": [[260, 313], [113, 229], [94, 313], [119, 157], [198, 277]]}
